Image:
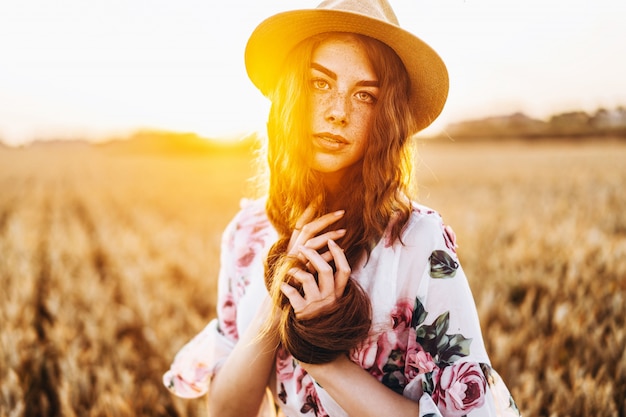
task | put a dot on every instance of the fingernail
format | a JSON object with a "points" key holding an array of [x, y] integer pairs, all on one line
{"points": [[339, 213], [341, 231]]}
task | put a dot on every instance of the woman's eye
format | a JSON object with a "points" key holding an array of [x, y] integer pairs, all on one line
{"points": [[320, 84], [366, 97]]}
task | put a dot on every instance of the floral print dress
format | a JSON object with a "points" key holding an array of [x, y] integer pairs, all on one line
{"points": [[425, 341]]}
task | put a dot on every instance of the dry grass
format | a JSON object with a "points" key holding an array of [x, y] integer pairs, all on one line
{"points": [[107, 265]]}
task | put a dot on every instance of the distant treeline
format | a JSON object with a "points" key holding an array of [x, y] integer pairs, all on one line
{"points": [[573, 125], [173, 143], [154, 142]]}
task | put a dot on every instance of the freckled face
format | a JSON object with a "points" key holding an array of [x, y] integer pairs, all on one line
{"points": [[344, 94]]}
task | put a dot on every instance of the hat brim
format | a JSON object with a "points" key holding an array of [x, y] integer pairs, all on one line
{"points": [[275, 37]]}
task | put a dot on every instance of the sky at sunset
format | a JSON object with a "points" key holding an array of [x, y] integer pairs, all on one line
{"points": [[92, 68]]}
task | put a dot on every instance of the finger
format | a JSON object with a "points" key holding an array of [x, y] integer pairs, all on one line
{"points": [[307, 234], [325, 278], [321, 241], [309, 285], [327, 256], [317, 243], [342, 267], [295, 299], [306, 217], [314, 227]]}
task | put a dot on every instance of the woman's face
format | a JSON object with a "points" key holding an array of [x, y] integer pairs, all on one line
{"points": [[344, 94]]}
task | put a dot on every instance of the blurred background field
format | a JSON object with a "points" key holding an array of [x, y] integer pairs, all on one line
{"points": [[109, 255]]}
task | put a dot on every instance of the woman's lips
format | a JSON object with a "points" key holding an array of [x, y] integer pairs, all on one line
{"points": [[329, 141]]}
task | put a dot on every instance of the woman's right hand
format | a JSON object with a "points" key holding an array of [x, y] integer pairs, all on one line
{"points": [[306, 233], [321, 285]]}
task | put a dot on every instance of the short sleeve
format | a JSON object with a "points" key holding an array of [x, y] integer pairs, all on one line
{"points": [[196, 363], [447, 369]]}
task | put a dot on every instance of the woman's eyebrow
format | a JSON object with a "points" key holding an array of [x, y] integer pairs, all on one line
{"points": [[364, 83], [324, 70], [333, 76]]}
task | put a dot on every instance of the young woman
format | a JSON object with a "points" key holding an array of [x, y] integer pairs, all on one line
{"points": [[338, 294]]}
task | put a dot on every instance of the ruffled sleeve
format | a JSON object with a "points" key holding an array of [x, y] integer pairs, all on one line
{"points": [[197, 362], [242, 247], [446, 368]]}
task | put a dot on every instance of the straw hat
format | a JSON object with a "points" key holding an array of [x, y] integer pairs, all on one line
{"points": [[274, 38]]}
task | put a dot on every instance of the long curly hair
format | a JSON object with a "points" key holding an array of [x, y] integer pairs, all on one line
{"points": [[375, 198]]}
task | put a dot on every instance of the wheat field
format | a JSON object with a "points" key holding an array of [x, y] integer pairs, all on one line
{"points": [[108, 264]]}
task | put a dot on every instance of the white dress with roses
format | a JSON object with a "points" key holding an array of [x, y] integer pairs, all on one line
{"points": [[425, 342]]}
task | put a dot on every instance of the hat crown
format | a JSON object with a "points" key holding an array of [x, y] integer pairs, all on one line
{"points": [[377, 9]]}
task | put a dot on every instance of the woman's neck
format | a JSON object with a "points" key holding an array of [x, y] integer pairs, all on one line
{"points": [[337, 184], [334, 187]]}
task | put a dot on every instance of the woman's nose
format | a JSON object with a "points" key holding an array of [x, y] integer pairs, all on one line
{"points": [[338, 108]]}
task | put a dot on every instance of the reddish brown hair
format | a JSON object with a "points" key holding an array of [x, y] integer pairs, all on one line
{"points": [[375, 197]]}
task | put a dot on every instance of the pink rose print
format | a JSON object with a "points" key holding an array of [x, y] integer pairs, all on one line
{"points": [[375, 354], [312, 401], [365, 355], [246, 258], [401, 314], [383, 353], [228, 318], [388, 344], [251, 234], [418, 361], [284, 365], [302, 378], [246, 245], [253, 242], [450, 238], [401, 325], [284, 370], [189, 382], [460, 389]]}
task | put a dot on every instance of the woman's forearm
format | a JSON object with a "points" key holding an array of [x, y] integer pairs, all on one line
{"points": [[238, 388], [359, 393]]}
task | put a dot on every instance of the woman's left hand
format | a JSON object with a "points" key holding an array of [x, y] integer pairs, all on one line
{"points": [[318, 296]]}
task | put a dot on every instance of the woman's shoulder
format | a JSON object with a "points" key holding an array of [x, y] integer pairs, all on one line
{"points": [[251, 213], [422, 211], [426, 223], [422, 216], [251, 206], [250, 222]]}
